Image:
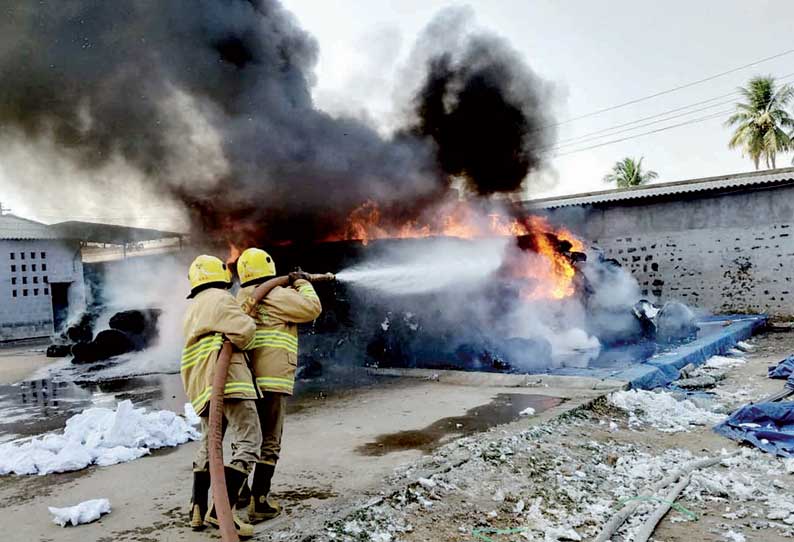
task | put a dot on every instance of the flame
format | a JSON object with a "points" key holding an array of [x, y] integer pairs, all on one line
{"points": [[542, 263], [234, 253], [546, 273]]}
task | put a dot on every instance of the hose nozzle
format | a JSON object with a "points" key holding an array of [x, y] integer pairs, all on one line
{"points": [[322, 277]]}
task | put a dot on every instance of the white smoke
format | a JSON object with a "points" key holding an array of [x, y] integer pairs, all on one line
{"points": [[453, 275], [143, 283]]}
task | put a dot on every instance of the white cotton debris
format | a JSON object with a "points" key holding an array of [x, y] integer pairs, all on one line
{"points": [[662, 411], [427, 483], [82, 513], [190, 415], [733, 536], [723, 362], [529, 411], [745, 346], [97, 436]]}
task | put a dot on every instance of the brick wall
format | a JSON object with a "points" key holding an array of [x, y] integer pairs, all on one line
{"points": [[729, 252]]}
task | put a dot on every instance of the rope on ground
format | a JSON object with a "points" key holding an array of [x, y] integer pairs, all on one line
{"points": [[649, 526], [480, 533]]}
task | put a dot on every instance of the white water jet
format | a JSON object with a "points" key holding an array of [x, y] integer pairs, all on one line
{"points": [[435, 265]]}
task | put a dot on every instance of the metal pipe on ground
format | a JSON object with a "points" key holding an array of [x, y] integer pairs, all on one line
{"points": [[615, 522], [647, 529]]}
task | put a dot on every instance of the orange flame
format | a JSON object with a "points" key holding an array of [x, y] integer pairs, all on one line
{"points": [[234, 253], [548, 272]]}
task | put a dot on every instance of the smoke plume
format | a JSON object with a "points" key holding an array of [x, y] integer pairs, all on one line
{"points": [[484, 109], [210, 101]]}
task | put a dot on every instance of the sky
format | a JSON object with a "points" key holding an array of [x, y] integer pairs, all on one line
{"points": [[595, 54]]}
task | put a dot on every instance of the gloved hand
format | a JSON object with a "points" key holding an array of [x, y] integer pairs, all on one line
{"points": [[296, 275]]}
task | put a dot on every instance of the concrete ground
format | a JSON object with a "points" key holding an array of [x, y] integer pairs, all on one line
{"points": [[20, 360], [336, 451]]}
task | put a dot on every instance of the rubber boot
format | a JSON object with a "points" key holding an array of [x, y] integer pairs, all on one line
{"points": [[198, 502], [261, 508], [234, 481], [245, 496]]}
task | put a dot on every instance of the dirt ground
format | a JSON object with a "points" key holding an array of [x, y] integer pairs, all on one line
{"points": [[20, 361], [562, 479], [337, 450], [416, 461]]}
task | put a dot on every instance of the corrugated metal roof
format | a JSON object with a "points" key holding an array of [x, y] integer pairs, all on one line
{"points": [[721, 183], [109, 233], [15, 228]]}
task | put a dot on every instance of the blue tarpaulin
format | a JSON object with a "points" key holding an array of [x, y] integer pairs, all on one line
{"points": [[784, 369], [768, 426]]}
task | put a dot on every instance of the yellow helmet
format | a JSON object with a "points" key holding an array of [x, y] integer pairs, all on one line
{"points": [[206, 270], [255, 263]]}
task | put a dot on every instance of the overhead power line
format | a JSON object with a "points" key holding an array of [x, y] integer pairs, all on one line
{"points": [[590, 135], [613, 131], [665, 128], [674, 89]]}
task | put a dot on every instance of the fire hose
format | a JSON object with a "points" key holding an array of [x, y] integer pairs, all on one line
{"points": [[220, 498]]}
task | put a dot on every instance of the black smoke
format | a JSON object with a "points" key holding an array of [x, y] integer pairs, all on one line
{"points": [[211, 101], [483, 107]]}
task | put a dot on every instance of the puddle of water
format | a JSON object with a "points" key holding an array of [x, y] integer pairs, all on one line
{"points": [[37, 406], [504, 408]]}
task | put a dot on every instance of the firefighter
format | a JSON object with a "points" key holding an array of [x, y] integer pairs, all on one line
{"points": [[215, 316], [274, 361]]}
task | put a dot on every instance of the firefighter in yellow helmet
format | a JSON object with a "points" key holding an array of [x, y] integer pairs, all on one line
{"points": [[215, 316], [274, 361]]}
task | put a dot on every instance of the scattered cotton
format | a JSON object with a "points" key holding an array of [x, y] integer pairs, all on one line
{"points": [[85, 512], [661, 410], [190, 415], [529, 411], [723, 362], [97, 436], [733, 536], [745, 346]]}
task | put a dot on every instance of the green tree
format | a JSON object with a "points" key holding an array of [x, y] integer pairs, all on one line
{"points": [[763, 125], [628, 172]]}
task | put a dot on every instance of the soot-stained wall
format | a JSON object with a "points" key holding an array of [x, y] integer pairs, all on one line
{"points": [[724, 252]]}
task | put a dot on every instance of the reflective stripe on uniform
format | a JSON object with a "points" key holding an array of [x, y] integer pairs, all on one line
{"points": [[198, 351], [274, 382], [307, 291], [251, 344], [276, 339], [229, 388]]}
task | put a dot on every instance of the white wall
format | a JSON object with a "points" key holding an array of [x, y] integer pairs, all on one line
{"points": [[30, 315]]}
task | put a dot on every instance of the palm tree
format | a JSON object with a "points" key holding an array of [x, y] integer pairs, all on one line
{"points": [[628, 172], [762, 123]]}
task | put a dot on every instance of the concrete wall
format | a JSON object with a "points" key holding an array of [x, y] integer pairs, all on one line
{"points": [[731, 252], [25, 316]]}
